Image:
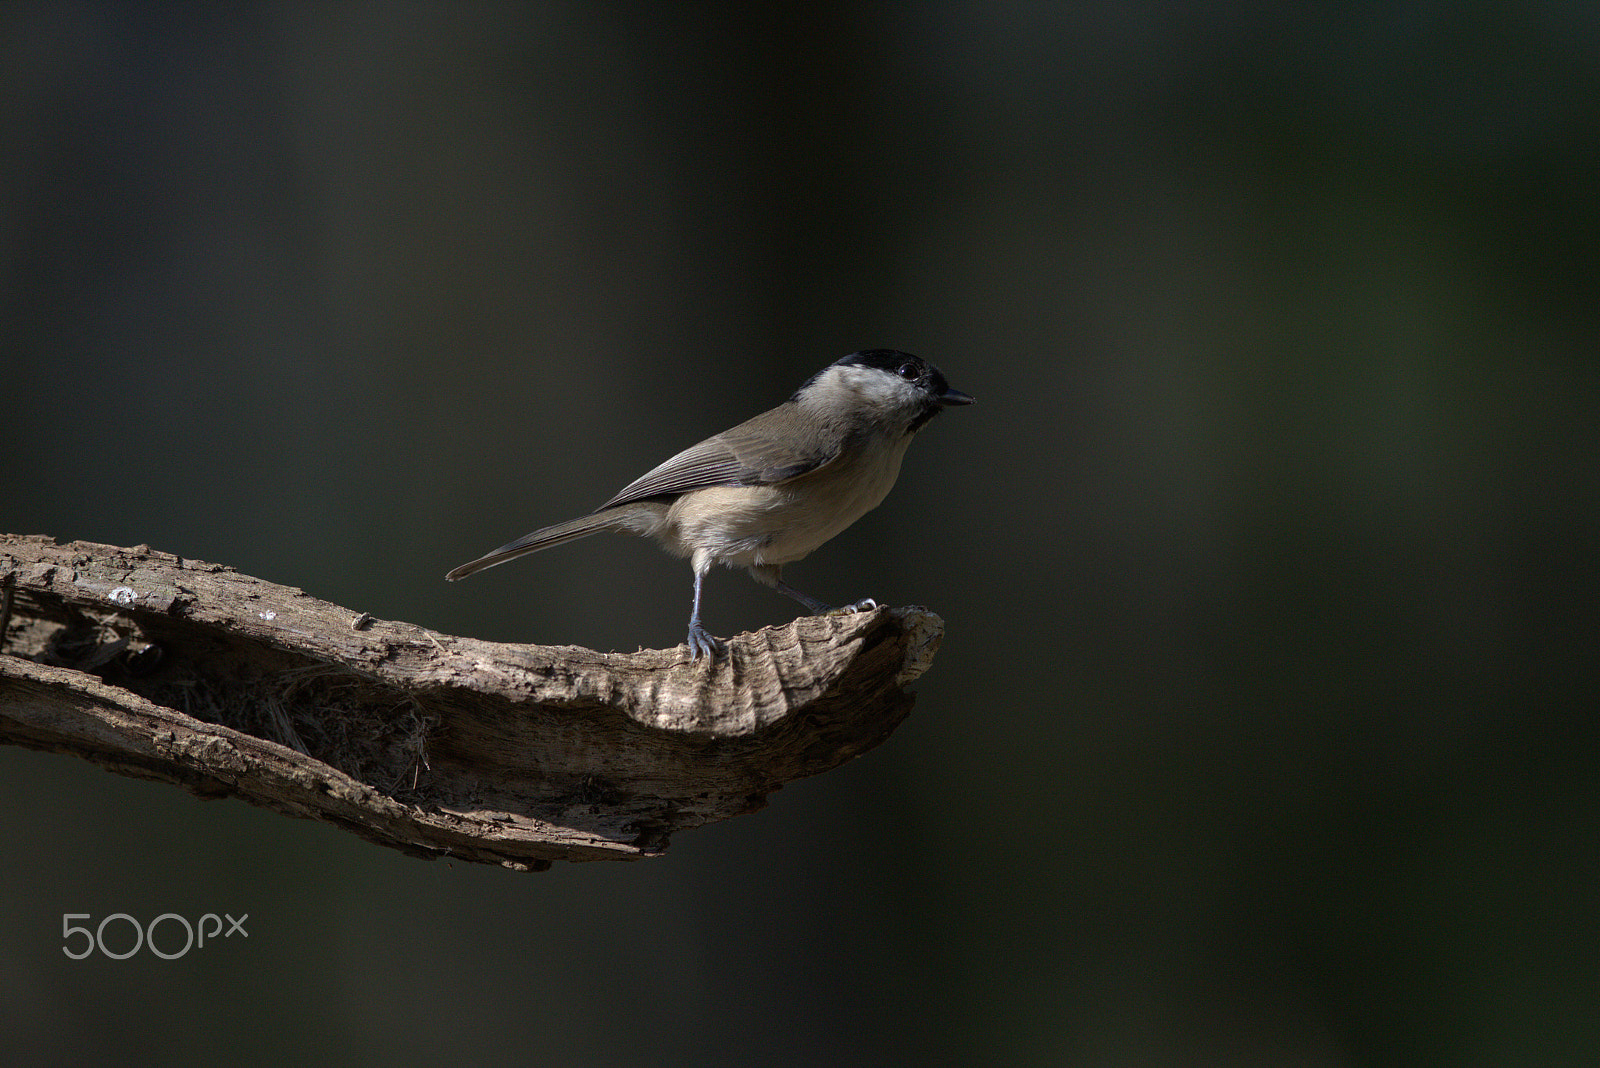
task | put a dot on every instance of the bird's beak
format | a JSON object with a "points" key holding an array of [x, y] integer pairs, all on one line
{"points": [[951, 397]]}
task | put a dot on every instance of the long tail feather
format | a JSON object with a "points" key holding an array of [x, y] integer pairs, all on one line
{"points": [[560, 534]]}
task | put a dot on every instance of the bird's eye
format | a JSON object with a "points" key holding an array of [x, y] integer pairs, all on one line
{"points": [[907, 371]]}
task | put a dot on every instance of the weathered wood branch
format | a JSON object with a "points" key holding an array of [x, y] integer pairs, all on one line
{"points": [[192, 673]]}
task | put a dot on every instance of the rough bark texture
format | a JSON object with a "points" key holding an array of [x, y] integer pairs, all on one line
{"points": [[192, 673]]}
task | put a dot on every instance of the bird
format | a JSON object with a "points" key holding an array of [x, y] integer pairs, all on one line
{"points": [[772, 489]]}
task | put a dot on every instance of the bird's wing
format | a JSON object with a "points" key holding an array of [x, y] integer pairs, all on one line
{"points": [[748, 455]]}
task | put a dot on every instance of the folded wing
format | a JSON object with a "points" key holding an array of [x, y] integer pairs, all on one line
{"points": [[748, 455]]}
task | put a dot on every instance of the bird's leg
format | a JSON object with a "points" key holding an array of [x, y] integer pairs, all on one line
{"points": [[700, 639], [814, 606], [770, 575], [866, 604]]}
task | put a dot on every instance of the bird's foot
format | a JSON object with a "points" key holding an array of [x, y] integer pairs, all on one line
{"points": [[702, 643], [866, 604]]}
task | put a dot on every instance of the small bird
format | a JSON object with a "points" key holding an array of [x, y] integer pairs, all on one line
{"points": [[772, 489]]}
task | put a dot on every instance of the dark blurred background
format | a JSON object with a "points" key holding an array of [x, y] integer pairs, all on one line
{"points": [[1264, 730]]}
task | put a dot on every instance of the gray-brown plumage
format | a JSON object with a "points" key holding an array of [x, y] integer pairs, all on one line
{"points": [[773, 488]]}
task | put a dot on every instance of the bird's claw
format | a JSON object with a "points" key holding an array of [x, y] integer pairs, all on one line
{"points": [[866, 604], [702, 643]]}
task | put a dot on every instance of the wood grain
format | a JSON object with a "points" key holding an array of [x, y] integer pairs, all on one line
{"points": [[232, 686]]}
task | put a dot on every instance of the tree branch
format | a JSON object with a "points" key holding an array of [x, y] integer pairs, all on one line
{"points": [[231, 686]]}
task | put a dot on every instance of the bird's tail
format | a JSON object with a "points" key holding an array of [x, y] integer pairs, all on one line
{"points": [[560, 534]]}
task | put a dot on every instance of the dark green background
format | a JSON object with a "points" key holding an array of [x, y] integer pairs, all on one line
{"points": [[1264, 730]]}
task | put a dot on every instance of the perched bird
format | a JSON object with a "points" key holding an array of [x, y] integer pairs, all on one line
{"points": [[772, 489]]}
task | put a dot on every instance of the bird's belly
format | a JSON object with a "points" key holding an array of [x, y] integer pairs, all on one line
{"points": [[757, 525]]}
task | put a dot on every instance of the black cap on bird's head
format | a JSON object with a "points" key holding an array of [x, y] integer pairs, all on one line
{"points": [[913, 369]]}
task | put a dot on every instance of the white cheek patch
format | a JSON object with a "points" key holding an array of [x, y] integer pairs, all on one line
{"points": [[879, 388]]}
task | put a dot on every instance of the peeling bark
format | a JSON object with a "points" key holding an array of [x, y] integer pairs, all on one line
{"points": [[191, 673]]}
